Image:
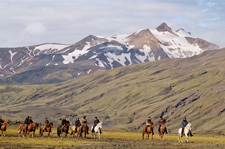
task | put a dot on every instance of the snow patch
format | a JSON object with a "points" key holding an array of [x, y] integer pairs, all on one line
{"points": [[176, 46], [148, 55], [119, 38], [50, 46], [89, 71], [12, 54], [118, 58], [75, 54]]}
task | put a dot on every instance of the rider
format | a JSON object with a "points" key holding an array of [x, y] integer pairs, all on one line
{"points": [[183, 125], [64, 121], [162, 121], [96, 121], [1, 121], [77, 124], [148, 122], [84, 121], [26, 122], [46, 123]]}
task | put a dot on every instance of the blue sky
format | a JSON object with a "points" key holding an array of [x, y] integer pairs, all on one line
{"points": [[30, 22]]}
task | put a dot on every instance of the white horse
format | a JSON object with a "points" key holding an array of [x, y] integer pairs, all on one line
{"points": [[97, 129], [187, 131]]}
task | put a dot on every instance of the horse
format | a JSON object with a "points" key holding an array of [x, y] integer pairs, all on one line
{"points": [[162, 130], [149, 130], [3, 127], [22, 128], [47, 128], [64, 129], [97, 129], [32, 127], [84, 130], [187, 131], [73, 131]]}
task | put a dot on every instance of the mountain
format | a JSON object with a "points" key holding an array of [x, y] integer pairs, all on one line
{"points": [[99, 53], [124, 97]]}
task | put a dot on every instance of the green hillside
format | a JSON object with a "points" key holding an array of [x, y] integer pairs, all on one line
{"points": [[126, 96]]}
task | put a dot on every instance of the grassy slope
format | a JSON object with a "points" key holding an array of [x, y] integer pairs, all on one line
{"points": [[125, 96]]}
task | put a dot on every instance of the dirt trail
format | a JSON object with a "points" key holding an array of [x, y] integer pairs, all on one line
{"points": [[120, 144]]}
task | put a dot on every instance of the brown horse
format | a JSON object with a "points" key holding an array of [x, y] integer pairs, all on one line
{"points": [[64, 129], [3, 127], [31, 128], [47, 128], [162, 131], [22, 128], [74, 131], [84, 130], [149, 130]]}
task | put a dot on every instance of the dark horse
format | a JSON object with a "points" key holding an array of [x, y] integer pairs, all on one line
{"points": [[84, 130], [64, 128], [3, 127], [149, 130], [47, 128]]}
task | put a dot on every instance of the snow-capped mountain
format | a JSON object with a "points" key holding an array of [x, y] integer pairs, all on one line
{"points": [[105, 52]]}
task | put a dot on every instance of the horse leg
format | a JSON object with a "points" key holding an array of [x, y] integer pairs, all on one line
{"points": [[152, 136], [99, 134], [186, 138]]}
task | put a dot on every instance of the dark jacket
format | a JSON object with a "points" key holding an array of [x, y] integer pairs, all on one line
{"points": [[96, 122], [148, 122], [184, 123], [46, 122], [1, 121], [29, 121], [77, 123], [162, 121], [64, 122], [26, 120]]}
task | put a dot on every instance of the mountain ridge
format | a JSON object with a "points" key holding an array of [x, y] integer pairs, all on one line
{"points": [[104, 52]]}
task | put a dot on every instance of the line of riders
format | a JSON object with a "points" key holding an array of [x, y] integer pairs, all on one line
{"points": [[83, 122]]}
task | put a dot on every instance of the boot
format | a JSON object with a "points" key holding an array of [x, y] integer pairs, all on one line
{"points": [[146, 129], [100, 131], [182, 131], [87, 130], [166, 130], [191, 134]]}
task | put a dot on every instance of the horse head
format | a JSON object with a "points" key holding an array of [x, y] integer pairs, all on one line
{"points": [[51, 124], [100, 125], [188, 126], [6, 123], [36, 125]]}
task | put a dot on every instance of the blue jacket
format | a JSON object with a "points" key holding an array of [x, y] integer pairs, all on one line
{"points": [[184, 123]]}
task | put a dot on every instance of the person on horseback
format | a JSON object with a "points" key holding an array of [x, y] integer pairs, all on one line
{"points": [[64, 121], [26, 122], [148, 123], [83, 122], [183, 125], [161, 122], [46, 123], [96, 121], [77, 124], [1, 121]]}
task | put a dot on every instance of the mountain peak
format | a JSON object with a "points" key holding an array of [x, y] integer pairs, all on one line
{"points": [[163, 27]]}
